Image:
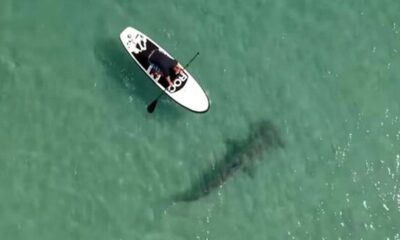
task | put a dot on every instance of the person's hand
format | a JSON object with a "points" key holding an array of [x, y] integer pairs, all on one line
{"points": [[156, 74], [178, 69]]}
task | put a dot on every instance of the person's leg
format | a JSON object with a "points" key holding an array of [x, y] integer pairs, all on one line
{"points": [[169, 81]]}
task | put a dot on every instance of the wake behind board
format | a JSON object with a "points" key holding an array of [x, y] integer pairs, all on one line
{"points": [[185, 90]]}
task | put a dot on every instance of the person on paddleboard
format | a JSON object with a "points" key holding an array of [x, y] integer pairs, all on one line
{"points": [[167, 67]]}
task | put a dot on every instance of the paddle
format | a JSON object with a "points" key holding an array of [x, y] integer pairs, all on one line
{"points": [[152, 105]]}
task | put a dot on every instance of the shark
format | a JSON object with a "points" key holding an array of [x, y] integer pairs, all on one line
{"points": [[240, 155]]}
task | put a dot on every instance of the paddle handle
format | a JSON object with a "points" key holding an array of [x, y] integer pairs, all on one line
{"points": [[191, 60]]}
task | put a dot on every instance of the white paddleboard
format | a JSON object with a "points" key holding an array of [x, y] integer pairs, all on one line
{"points": [[186, 91]]}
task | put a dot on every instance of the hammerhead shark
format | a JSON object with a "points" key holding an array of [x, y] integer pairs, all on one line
{"points": [[240, 154]]}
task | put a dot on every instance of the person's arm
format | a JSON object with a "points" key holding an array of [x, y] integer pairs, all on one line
{"points": [[180, 67], [169, 81]]}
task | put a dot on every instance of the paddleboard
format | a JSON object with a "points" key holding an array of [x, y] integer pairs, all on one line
{"points": [[185, 90]]}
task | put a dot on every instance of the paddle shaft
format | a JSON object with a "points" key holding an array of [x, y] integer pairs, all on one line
{"points": [[191, 60]]}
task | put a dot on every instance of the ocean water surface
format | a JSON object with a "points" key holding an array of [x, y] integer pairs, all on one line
{"points": [[80, 157]]}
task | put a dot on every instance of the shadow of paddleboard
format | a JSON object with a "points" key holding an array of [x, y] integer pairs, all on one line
{"points": [[121, 68]]}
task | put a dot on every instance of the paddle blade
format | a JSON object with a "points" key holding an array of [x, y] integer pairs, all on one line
{"points": [[152, 106]]}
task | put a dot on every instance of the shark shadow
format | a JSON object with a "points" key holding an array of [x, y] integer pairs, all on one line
{"points": [[241, 154]]}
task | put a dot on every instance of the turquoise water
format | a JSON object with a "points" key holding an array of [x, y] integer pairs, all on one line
{"points": [[81, 158]]}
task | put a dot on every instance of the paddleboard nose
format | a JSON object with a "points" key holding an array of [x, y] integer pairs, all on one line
{"points": [[201, 106], [192, 97]]}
